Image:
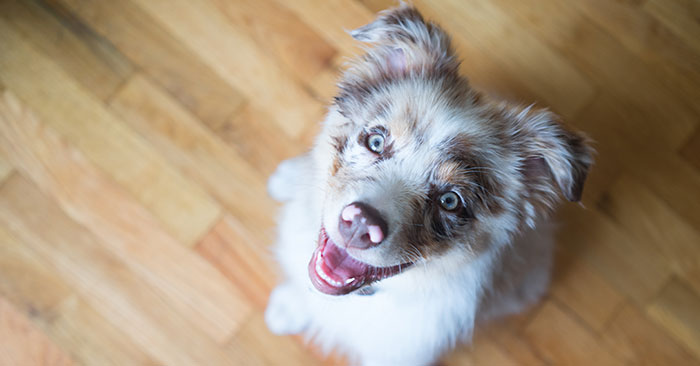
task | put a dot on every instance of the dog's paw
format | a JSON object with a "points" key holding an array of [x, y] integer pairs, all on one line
{"points": [[281, 184], [286, 312]]}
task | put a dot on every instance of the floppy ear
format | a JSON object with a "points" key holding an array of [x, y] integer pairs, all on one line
{"points": [[552, 153], [405, 39]]}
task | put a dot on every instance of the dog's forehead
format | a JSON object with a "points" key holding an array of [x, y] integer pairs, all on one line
{"points": [[429, 112], [431, 152], [428, 130]]}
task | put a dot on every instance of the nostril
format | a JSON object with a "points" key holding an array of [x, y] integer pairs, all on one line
{"points": [[375, 234], [361, 226], [349, 212]]}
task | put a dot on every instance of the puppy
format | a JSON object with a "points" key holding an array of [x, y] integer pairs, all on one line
{"points": [[420, 211]]}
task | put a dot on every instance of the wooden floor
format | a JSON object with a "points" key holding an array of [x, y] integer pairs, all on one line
{"points": [[136, 137]]}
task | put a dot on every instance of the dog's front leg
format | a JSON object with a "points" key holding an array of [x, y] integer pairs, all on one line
{"points": [[285, 181], [287, 311]]}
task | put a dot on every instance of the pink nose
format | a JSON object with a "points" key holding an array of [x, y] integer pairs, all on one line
{"points": [[361, 226]]}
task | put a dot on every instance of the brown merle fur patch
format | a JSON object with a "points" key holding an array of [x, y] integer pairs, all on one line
{"points": [[506, 162]]}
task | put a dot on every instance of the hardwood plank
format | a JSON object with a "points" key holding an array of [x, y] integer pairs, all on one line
{"points": [[232, 249], [507, 333], [676, 310], [376, 5], [94, 63], [584, 291], [485, 72], [640, 342], [565, 342], [652, 223], [665, 173], [691, 150], [493, 31], [324, 84], [629, 85], [5, 168], [169, 63], [692, 278], [331, 20], [675, 63], [287, 39], [190, 146], [30, 284], [23, 344], [634, 271], [483, 351], [106, 282], [190, 285], [680, 16], [27, 281], [255, 345], [238, 60], [182, 206], [258, 141], [91, 257]]}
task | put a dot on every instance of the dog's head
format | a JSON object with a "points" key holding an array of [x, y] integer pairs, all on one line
{"points": [[416, 166]]}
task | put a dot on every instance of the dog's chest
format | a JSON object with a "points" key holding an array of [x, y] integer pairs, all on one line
{"points": [[385, 318]]}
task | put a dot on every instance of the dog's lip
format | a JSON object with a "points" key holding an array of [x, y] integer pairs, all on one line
{"points": [[334, 272]]}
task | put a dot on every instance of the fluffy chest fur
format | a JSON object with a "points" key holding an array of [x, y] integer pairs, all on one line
{"points": [[427, 309], [408, 319], [419, 210]]}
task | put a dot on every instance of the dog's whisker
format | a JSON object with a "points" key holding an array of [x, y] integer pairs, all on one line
{"points": [[406, 174]]}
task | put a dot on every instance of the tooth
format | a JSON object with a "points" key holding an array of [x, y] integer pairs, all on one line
{"points": [[349, 280], [326, 277]]}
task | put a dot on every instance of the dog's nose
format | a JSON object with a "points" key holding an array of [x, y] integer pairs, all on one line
{"points": [[362, 226]]}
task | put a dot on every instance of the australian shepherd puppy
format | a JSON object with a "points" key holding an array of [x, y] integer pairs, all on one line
{"points": [[420, 211]]}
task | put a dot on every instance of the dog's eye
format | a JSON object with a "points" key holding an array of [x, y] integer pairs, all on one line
{"points": [[449, 201], [375, 143]]}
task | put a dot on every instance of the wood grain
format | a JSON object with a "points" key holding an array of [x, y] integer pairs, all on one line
{"points": [[234, 251], [136, 137], [641, 342], [190, 284], [114, 290], [185, 209], [23, 344], [194, 150], [563, 341], [167, 61], [676, 309], [30, 284], [5, 168], [91, 61], [238, 60], [574, 285]]}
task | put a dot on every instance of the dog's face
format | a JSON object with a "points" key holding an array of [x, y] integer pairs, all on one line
{"points": [[416, 166]]}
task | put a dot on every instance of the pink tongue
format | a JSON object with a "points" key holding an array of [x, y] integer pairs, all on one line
{"points": [[343, 266]]}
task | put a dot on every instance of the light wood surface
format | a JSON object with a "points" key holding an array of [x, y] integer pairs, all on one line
{"points": [[136, 137]]}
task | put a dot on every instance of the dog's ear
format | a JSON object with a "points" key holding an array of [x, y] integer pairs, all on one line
{"points": [[552, 153], [404, 39]]}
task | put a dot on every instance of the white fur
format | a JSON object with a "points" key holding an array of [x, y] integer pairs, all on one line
{"points": [[498, 264], [413, 317]]}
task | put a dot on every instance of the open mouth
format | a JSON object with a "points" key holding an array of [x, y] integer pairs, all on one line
{"points": [[334, 272]]}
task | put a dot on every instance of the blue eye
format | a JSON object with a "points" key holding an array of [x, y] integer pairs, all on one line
{"points": [[449, 201], [375, 143]]}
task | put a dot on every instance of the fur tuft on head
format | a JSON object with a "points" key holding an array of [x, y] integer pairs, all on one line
{"points": [[422, 207], [552, 154], [403, 47], [407, 40]]}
